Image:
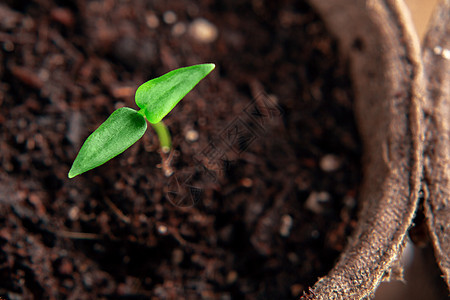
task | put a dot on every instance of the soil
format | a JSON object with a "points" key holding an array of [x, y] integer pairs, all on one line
{"points": [[255, 201]]}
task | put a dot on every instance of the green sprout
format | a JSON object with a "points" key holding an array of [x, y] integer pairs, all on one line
{"points": [[125, 126]]}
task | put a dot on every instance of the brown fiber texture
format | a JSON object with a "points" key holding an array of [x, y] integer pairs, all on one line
{"points": [[383, 50], [436, 183]]}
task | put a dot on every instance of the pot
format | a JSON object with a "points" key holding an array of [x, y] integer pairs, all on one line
{"points": [[402, 109]]}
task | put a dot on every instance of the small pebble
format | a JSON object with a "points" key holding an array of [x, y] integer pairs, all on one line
{"points": [[232, 276], [247, 182], [88, 280], [203, 31], [168, 171], [44, 74], [152, 20], [162, 229], [191, 135], [445, 53], [286, 225], [330, 163], [349, 201], [169, 17], [178, 29], [315, 201], [74, 213]]}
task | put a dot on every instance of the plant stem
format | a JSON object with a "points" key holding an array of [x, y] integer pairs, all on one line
{"points": [[162, 131], [164, 136]]}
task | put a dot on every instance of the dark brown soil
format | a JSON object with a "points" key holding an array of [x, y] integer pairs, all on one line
{"points": [[258, 207]]}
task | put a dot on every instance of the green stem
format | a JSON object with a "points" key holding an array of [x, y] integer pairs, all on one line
{"points": [[163, 133], [164, 136]]}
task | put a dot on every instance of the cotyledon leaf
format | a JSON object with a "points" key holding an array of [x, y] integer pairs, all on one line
{"points": [[121, 130], [160, 95]]}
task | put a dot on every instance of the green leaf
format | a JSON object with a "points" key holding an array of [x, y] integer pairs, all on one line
{"points": [[160, 95], [121, 130]]}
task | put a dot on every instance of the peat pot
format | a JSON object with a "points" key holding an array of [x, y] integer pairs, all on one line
{"points": [[402, 109]]}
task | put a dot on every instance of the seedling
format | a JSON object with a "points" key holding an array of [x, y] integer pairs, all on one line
{"points": [[125, 126]]}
